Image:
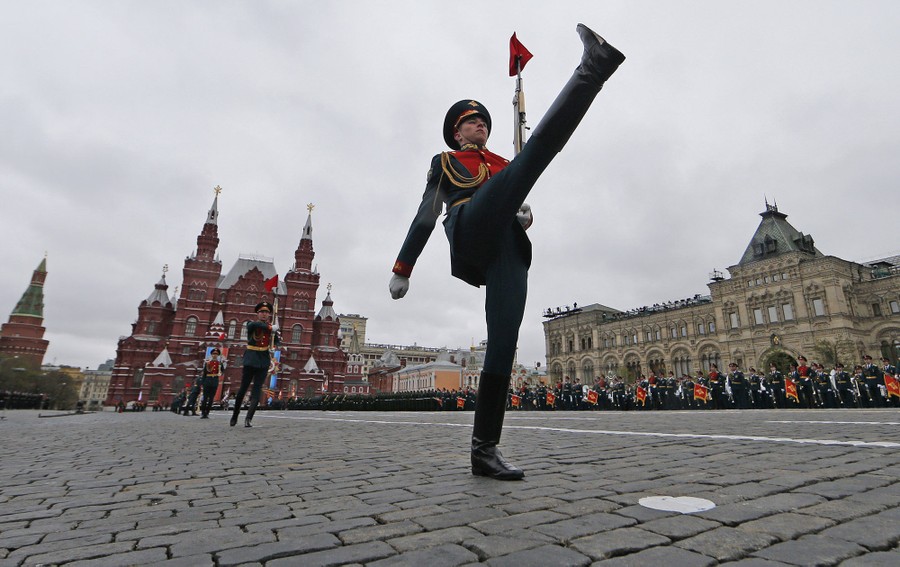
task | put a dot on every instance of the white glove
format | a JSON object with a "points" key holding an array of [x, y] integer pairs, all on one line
{"points": [[524, 216], [399, 286]]}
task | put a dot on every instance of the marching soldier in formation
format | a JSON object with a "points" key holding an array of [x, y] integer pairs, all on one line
{"points": [[485, 225], [687, 392], [801, 376], [212, 370], [776, 384], [257, 358], [739, 387], [846, 392], [824, 389], [890, 370], [755, 382], [874, 379], [717, 387], [191, 404]]}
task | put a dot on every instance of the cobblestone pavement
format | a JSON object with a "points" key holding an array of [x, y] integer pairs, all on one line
{"points": [[791, 487]]}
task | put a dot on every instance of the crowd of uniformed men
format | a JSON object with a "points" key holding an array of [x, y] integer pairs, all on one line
{"points": [[805, 385]]}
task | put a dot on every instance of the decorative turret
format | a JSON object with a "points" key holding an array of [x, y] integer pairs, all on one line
{"points": [[23, 335], [155, 314], [202, 268], [303, 257]]}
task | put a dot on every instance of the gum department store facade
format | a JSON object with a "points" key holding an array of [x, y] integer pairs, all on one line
{"points": [[783, 298]]}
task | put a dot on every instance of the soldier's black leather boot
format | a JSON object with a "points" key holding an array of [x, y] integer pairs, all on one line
{"points": [[247, 422], [490, 408], [234, 416], [598, 62], [600, 59]]}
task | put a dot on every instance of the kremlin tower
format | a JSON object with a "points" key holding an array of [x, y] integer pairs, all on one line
{"points": [[23, 335]]}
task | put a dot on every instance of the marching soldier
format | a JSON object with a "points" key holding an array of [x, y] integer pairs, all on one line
{"points": [[803, 379], [823, 388], [191, 404], [890, 370], [717, 387], [776, 383], [485, 225], [874, 379], [257, 358], [755, 390], [739, 387], [844, 384], [212, 370], [687, 392]]}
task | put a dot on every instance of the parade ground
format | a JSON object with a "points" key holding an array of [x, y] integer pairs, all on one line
{"points": [[307, 488]]}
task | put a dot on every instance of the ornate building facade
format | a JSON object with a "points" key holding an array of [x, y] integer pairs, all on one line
{"points": [[782, 299], [23, 335], [170, 338]]}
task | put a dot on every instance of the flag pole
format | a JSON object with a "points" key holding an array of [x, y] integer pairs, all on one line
{"points": [[519, 110]]}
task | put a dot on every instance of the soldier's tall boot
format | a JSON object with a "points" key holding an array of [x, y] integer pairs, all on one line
{"points": [[254, 401], [598, 62], [490, 408]]}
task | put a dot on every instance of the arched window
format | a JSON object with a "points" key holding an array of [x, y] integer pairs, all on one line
{"points": [[296, 333], [190, 327], [232, 329], [587, 372], [300, 304], [244, 331], [151, 327]]}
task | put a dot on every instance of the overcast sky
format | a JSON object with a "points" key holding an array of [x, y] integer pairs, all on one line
{"points": [[117, 119]]}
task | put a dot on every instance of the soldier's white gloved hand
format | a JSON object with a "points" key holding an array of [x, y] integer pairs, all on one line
{"points": [[524, 216], [399, 286]]}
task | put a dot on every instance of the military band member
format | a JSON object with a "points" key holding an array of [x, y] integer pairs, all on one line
{"points": [[212, 371], [845, 388], [257, 359], [485, 225]]}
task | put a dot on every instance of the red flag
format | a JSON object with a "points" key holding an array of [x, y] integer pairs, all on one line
{"points": [[460, 403], [701, 392], [515, 401], [592, 397], [892, 384], [641, 395], [271, 283], [551, 399], [517, 51], [790, 390]]}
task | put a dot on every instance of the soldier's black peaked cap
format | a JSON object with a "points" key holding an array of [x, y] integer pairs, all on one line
{"points": [[460, 110], [263, 305]]}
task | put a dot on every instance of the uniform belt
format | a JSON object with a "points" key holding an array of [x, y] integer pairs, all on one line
{"points": [[460, 202], [259, 348]]}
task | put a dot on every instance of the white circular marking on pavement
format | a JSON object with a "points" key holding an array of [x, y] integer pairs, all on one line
{"points": [[680, 504]]}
